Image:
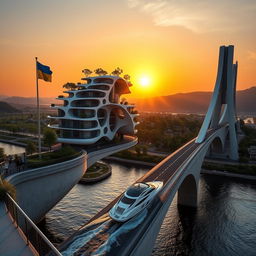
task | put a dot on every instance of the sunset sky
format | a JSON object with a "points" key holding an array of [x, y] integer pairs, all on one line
{"points": [[173, 44]]}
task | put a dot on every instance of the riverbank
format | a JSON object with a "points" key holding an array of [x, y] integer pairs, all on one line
{"points": [[13, 143], [228, 174], [21, 144], [129, 161], [203, 171]]}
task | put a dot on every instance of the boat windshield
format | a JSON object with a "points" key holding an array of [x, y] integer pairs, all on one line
{"points": [[137, 189]]}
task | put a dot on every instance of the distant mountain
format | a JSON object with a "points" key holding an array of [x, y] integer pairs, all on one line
{"points": [[27, 100], [7, 108], [194, 102], [246, 100]]}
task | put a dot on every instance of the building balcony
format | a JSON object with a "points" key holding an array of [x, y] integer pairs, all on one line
{"points": [[58, 127], [85, 103], [79, 134]]}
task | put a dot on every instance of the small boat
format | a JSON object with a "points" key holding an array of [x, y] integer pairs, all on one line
{"points": [[136, 198]]}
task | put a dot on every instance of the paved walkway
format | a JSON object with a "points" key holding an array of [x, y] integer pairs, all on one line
{"points": [[11, 243]]}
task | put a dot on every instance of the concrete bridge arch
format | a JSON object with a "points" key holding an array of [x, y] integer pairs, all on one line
{"points": [[187, 192], [217, 146]]}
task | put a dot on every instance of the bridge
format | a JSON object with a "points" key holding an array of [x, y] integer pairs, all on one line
{"points": [[38, 192], [179, 172]]}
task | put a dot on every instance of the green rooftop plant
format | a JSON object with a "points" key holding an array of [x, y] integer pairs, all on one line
{"points": [[87, 72], [117, 72], [127, 77], [70, 86], [100, 72]]}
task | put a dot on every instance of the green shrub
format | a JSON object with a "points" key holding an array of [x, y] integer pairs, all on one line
{"points": [[126, 154], [30, 148], [243, 159], [1, 153], [6, 187], [64, 154], [240, 169]]}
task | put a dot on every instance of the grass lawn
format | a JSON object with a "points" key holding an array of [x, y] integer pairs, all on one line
{"points": [[64, 154], [96, 170]]}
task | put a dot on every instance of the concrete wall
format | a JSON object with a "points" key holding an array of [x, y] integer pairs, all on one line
{"points": [[40, 189]]}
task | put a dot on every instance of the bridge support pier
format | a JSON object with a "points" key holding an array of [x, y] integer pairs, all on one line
{"points": [[222, 108], [187, 193]]}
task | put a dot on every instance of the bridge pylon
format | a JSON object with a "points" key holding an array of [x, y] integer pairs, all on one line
{"points": [[222, 108]]}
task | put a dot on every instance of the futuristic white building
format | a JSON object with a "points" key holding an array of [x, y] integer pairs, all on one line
{"points": [[94, 111]]}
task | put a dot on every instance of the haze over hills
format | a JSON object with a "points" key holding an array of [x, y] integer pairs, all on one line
{"points": [[193, 102], [7, 108], [25, 100]]}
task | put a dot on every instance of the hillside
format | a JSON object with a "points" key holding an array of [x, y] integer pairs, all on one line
{"points": [[195, 102], [7, 108], [27, 100]]}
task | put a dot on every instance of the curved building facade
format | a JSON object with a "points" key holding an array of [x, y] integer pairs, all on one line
{"points": [[94, 111]]}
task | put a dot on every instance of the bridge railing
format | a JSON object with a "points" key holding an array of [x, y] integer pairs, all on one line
{"points": [[32, 234]]}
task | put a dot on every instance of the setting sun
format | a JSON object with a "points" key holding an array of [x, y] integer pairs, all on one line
{"points": [[144, 81]]}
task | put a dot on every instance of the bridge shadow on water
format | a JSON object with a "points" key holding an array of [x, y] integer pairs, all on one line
{"points": [[176, 234]]}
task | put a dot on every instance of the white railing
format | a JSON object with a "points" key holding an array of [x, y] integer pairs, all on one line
{"points": [[34, 237]]}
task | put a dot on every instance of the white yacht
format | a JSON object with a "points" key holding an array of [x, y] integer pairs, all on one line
{"points": [[136, 198]]}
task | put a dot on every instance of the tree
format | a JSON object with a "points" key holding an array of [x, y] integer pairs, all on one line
{"points": [[30, 148], [49, 138], [69, 86], [127, 77], [100, 72], [144, 150], [14, 128], [138, 150], [1, 153], [117, 72], [123, 100], [86, 72]]}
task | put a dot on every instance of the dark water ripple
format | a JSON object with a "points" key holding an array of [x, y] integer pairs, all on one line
{"points": [[223, 224]]}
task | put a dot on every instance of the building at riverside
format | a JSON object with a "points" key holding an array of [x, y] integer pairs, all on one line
{"points": [[94, 111]]}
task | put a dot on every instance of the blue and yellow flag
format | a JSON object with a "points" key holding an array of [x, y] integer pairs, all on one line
{"points": [[43, 72]]}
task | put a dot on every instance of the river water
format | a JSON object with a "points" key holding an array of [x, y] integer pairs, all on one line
{"points": [[11, 149], [223, 224]]}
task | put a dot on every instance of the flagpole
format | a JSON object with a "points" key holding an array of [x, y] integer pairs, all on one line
{"points": [[38, 114]]}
